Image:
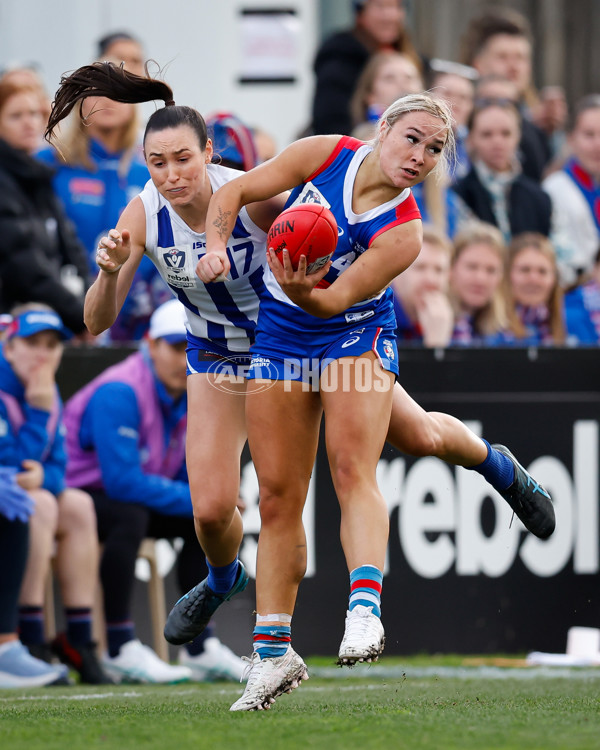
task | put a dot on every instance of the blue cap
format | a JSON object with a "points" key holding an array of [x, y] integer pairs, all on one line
{"points": [[34, 321]]}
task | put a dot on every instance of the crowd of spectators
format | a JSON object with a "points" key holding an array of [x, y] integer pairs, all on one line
{"points": [[523, 164], [525, 167]]}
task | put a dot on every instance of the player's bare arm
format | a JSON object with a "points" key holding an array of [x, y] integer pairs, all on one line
{"points": [[120, 253]]}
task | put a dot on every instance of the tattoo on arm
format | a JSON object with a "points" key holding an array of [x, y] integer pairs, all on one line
{"points": [[221, 224]]}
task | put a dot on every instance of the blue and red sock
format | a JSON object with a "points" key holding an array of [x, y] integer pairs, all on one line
{"points": [[272, 635], [365, 588]]}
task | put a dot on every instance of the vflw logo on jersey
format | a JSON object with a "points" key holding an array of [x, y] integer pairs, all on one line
{"points": [[178, 267], [174, 259], [312, 194]]}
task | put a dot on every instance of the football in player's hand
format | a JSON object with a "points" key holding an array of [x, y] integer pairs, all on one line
{"points": [[306, 229]]}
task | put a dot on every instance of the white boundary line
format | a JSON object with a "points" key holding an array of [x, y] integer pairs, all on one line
{"points": [[377, 672]]}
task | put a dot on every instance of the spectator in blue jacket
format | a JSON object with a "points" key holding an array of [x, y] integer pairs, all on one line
{"points": [[63, 524], [18, 668], [126, 435], [582, 308]]}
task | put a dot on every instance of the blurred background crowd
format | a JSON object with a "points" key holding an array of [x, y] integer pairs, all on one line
{"points": [[512, 233]]}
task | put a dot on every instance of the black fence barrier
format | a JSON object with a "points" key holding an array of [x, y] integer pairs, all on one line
{"points": [[461, 575]]}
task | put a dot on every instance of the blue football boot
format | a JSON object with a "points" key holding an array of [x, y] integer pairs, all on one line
{"points": [[528, 499], [192, 613]]}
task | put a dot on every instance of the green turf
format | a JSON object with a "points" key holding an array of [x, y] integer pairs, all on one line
{"points": [[421, 706]]}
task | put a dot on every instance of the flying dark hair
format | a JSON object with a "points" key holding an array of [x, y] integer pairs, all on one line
{"points": [[114, 82]]}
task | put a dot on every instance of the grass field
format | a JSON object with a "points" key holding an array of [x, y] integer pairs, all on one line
{"points": [[410, 703]]}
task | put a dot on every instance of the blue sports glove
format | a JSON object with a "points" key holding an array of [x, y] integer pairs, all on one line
{"points": [[15, 503]]}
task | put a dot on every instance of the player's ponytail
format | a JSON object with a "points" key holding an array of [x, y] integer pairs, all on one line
{"points": [[108, 80], [114, 82]]}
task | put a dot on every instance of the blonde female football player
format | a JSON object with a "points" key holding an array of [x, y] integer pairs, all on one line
{"points": [[342, 319]]}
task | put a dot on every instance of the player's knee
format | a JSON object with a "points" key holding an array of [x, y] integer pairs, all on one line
{"points": [[280, 503], [347, 474], [213, 518]]}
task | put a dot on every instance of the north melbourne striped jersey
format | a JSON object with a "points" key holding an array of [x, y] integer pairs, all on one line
{"points": [[223, 312]]}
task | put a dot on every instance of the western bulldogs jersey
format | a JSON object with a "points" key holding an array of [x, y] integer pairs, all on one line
{"points": [[332, 185], [224, 313]]}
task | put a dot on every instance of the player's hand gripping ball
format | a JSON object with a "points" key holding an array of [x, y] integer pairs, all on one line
{"points": [[306, 229]]}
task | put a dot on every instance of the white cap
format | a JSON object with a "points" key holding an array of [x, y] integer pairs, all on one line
{"points": [[168, 322]]}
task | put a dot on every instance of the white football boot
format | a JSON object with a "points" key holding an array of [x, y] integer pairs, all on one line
{"points": [[269, 678], [363, 638]]}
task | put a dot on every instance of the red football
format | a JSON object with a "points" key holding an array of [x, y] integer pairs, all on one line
{"points": [[306, 229]]}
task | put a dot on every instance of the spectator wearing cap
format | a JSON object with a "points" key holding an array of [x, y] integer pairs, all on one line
{"points": [[126, 433], [62, 522], [233, 142], [18, 668]]}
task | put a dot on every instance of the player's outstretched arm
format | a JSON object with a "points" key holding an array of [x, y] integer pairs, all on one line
{"points": [[118, 257]]}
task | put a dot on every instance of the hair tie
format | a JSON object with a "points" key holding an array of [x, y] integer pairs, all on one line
{"points": [[169, 103]]}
